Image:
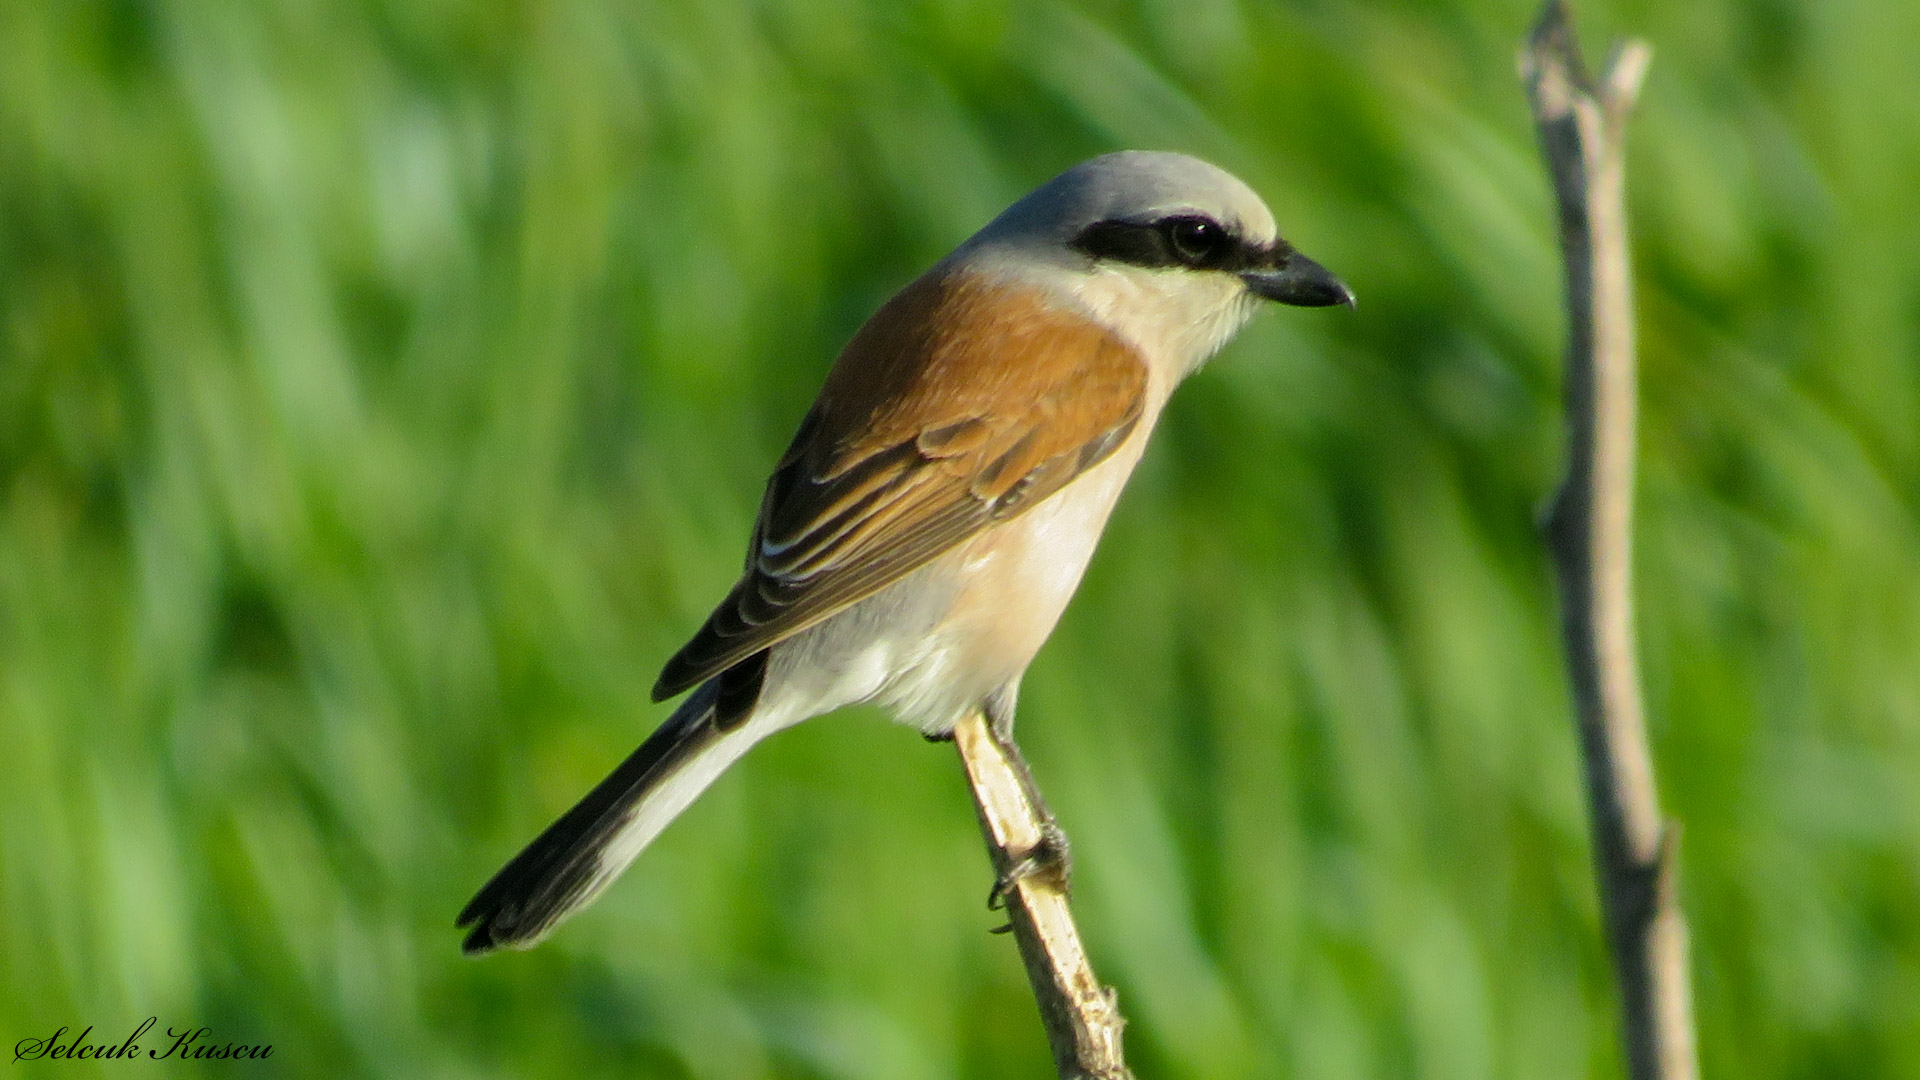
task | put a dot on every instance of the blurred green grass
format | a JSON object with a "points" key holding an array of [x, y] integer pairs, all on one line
{"points": [[385, 390]]}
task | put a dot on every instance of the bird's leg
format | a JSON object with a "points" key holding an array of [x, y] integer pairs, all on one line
{"points": [[1050, 858]]}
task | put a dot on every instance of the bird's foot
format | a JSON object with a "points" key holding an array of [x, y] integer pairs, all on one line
{"points": [[1050, 860]]}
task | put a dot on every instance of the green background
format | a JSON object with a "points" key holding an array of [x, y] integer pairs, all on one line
{"points": [[386, 389]]}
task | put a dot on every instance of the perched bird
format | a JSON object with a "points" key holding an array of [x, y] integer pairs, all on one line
{"points": [[924, 530]]}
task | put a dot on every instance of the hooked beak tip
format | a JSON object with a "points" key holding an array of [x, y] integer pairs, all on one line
{"points": [[1300, 282]]}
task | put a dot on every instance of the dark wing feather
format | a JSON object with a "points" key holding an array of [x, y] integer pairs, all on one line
{"points": [[960, 404]]}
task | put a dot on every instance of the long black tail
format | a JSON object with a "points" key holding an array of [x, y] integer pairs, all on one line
{"points": [[580, 854]]}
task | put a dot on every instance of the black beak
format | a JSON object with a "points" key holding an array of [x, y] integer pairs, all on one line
{"points": [[1299, 281]]}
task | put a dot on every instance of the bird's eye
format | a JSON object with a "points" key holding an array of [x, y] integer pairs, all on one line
{"points": [[1197, 241]]}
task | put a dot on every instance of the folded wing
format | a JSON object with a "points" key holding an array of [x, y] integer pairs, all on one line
{"points": [[962, 402]]}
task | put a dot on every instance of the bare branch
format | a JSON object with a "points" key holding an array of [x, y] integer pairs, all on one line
{"points": [[1582, 124], [1082, 1017]]}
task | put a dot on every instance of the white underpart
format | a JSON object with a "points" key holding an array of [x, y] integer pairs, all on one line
{"points": [[1067, 528], [853, 656], [1033, 563]]}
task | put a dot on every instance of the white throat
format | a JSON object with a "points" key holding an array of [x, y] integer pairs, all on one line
{"points": [[1178, 320]]}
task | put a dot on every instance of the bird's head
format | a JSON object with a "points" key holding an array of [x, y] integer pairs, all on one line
{"points": [[1171, 252]]}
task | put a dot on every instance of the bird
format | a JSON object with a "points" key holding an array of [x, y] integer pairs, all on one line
{"points": [[926, 527]]}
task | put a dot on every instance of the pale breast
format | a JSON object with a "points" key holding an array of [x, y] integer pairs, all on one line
{"points": [[1009, 589]]}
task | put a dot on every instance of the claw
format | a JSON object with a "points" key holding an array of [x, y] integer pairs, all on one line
{"points": [[1050, 859]]}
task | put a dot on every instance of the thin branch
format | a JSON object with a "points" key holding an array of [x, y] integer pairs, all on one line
{"points": [[1582, 124], [1082, 1017]]}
